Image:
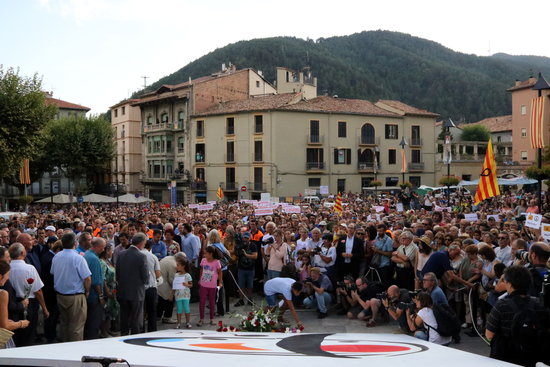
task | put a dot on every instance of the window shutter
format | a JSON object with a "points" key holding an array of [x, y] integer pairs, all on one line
{"points": [[335, 156], [348, 156]]}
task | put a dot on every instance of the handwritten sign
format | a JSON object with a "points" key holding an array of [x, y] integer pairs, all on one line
{"points": [[206, 207], [263, 211], [399, 207], [471, 217], [193, 206]]}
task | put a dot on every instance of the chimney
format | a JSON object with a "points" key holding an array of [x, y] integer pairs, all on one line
{"points": [[518, 82]]}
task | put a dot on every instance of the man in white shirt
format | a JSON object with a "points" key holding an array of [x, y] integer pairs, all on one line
{"points": [[285, 287], [504, 251], [27, 284], [151, 299]]}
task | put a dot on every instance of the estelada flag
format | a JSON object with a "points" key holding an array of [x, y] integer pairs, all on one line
{"points": [[403, 161], [338, 204], [537, 122], [24, 173], [219, 193], [488, 182]]}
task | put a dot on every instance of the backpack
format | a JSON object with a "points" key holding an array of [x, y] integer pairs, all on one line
{"points": [[526, 332], [448, 323]]}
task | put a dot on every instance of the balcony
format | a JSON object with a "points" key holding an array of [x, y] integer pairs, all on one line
{"points": [[367, 167], [198, 186], [199, 158], [415, 142], [367, 140], [416, 166], [230, 186], [315, 139], [315, 166], [258, 186], [229, 158], [158, 127]]}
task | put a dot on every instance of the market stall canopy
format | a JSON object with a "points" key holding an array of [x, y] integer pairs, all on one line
{"points": [[502, 181], [132, 199], [97, 198], [58, 199]]}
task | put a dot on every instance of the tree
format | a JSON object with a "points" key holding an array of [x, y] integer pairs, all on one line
{"points": [[475, 133], [23, 116], [81, 147]]}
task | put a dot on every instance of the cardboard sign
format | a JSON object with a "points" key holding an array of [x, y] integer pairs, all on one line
{"points": [[399, 207], [206, 207], [443, 209], [546, 232], [263, 211], [323, 190], [471, 217], [292, 209], [495, 216], [265, 196], [533, 220]]}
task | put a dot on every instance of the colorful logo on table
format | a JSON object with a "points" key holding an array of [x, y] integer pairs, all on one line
{"points": [[319, 345]]}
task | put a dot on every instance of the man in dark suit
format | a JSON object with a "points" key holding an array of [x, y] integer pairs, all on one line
{"points": [[349, 252], [132, 275]]}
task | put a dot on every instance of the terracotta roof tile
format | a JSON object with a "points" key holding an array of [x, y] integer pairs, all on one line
{"points": [[406, 109], [523, 85], [66, 105], [339, 105], [259, 103], [494, 124]]}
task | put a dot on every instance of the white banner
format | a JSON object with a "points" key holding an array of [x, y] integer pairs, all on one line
{"points": [[193, 206], [263, 211], [265, 196], [495, 216], [206, 207], [323, 190], [533, 220], [378, 208], [292, 209], [442, 209], [546, 232], [399, 207], [471, 217]]}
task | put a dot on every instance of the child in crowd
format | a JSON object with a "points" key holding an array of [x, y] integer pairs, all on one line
{"points": [[182, 295], [210, 276]]}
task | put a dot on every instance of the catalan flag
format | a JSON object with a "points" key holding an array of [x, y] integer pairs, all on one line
{"points": [[403, 161], [24, 173], [488, 182], [219, 193], [338, 204], [537, 122]]}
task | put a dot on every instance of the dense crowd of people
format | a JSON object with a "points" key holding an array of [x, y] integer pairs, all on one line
{"points": [[94, 271]]}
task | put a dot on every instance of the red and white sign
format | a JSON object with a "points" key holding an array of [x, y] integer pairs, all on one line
{"points": [[206, 207], [243, 188], [193, 206], [292, 209], [263, 211]]}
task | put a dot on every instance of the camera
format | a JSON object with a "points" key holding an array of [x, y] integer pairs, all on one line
{"points": [[413, 294], [382, 295], [352, 287], [340, 285], [520, 218], [317, 250], [313, 282], [522, 255], [406, 305], [269, 241]]}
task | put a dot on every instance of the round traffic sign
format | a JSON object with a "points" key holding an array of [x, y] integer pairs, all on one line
{"points": [[243, 188]]}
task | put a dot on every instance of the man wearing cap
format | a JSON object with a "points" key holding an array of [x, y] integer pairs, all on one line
{"points": [[325, 258], [247, 253], [318, 286], [50, 232]]}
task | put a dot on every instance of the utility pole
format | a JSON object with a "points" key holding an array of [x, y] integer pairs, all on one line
{"points": [[145, 81]]}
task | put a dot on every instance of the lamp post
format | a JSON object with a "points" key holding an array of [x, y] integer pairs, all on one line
{"points": [[539, 86], [375, 169], [403, 143], [447, 154]]}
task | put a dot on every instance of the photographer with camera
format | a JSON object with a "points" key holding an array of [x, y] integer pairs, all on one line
{"points": [[318, 287], [325, 257], [247, 253], [423, 323], [538, 255], [361, 295], [343, 293], [393, 301]]}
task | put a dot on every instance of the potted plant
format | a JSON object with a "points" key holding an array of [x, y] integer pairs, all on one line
{"points": [[406, 185], [449, 181], [375, 183]]}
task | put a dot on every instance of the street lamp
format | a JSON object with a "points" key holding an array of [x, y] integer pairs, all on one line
{"points": [[375, 169], [539, 86], [403, 143], [447, 153]]}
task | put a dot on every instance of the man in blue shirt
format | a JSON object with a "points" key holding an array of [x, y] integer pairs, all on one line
{"points": [[158, 247], [429, 282], [95, 300], [72, 280], [191, 244], [382, 248]]}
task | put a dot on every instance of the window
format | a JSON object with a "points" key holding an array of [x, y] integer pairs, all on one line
{"points": [[523, 155], [149, 120], [258, 124], [230, 126], [164, 118], [365, 181], [199, 153], [392, 131], [415, 181], [415, 135], [181, 117], [123, 110], [392, 181], [258, 151], [258, 178], [341, 184], [230, 151], [157, 144], [392, 154], [123, 132], [169, 167], [169, 139], [342, 156], [116, 112], [314, 182], [257, 84], [230, 177], [200, 129], [367, 134], [523, 132], [523, 109], [314, 131], [415, 155], [314, 158], [200, 174], [181, 144], [342, 129], [499, 139]]}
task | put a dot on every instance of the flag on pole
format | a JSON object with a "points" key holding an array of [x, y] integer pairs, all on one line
{"points": [[338, 204], [403, 161], [219, 193], [447, 156], [488, 182], [537, 122], [24, 173]]}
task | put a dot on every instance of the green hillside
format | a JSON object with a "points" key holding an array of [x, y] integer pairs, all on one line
{"points": [[383, 65]]}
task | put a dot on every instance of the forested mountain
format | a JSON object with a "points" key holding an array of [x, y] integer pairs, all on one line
{"points": [[383, 65]]}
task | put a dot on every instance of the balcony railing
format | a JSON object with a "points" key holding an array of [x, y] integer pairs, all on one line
{"points": [[315, 139], [415, 142], [230, 186], [367, 140], [315, 166], [258, 186], [198, 186], [367, 166], [229, 158], [416, 166], [157, 127]]}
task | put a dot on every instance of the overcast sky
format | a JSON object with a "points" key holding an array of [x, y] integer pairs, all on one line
{"points": [[94, 52]]}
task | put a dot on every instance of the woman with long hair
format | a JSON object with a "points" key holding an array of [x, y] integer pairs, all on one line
{"points": [[5, 322]]}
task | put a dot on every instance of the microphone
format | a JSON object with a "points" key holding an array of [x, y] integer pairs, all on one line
{"points": [[105, 361]]}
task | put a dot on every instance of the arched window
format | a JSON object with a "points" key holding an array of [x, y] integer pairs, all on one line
{"points": [[149, 120], [367, 134], [366, 156], [164, 118]]}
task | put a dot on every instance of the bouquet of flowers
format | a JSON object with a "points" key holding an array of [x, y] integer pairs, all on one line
{"points": [[28, 290], [260, 320]]}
